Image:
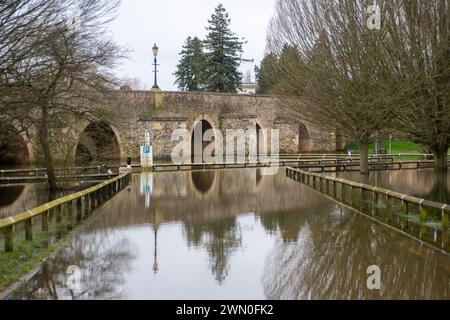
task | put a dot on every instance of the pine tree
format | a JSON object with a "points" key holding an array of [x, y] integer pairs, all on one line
{"points": [[267, 74], [223, 54], [190, 74]]}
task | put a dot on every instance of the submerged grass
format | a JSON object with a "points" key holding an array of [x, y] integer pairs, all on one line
{"points": [[28, 255]]}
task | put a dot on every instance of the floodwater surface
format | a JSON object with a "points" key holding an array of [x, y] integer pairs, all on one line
{"points": [[235, 234], [422, 183]]}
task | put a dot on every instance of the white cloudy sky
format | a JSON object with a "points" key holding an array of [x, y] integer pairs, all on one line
{"points": [[140, 23]]}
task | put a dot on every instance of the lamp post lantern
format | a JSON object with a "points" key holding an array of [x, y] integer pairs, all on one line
{"points": [[155, 53]]}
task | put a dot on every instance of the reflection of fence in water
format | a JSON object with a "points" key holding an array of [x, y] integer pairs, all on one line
{"points": [[423, 219], [57, 216]]}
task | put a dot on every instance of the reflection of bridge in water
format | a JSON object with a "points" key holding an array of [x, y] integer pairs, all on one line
{"points": [[201, 195], [297, 244]]}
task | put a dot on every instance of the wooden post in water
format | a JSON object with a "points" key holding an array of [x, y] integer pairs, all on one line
{"points": [[86, 205], [69, 208], [388, 207], [423, 220], [79, 213], [44, 220], [58, 214], [334, 189], [29, 229], [444, 228], [9, 238], [91, 202], [363, 199], [405, 208], [342, 192], [353, 196], [375, 202]]}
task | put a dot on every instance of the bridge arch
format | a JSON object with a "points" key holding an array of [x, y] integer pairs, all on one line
{"points": [[99, 142], [14, 148], [199, 127], [304, 139]]}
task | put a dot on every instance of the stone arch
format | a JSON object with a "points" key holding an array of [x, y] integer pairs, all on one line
{"points": [[304, 139], [14, 148], [202, 124], [99, 142], [262, 138]]}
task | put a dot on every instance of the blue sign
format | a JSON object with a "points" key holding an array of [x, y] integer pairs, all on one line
{"points": [[146, 149]]}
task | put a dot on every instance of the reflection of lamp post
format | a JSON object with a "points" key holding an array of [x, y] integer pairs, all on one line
{"points": [[155, 53], [157, 219], [155, 261]]}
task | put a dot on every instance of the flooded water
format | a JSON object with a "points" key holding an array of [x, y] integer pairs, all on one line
{"points": [[18, 198], [423, 183], [15, 199], [235, 234]]}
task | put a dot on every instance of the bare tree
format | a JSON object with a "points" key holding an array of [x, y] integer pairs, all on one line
{"points": [[418, 58], [335, 64], [64, 74]]}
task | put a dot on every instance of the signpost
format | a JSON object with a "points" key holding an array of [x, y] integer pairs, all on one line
{"points": [[147, 152], [146, 157]]}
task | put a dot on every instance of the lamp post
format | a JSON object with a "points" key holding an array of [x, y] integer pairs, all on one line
{"points": [[155, 53]]}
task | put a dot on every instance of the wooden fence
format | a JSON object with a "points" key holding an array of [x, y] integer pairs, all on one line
{"points": [[423, 219], [72, 208]]}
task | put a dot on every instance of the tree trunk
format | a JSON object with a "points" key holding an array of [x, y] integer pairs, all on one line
{"points": [[339, 141], [440, 159], [45, 145], [364, 157]]}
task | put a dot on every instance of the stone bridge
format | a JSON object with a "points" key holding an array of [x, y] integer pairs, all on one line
{"points": [[130, 114]]}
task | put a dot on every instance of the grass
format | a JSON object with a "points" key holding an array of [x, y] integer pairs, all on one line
{"points": [[398, 146], [27, 255]]}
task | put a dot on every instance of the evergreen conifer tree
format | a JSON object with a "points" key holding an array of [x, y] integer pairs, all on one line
{"points": [[190, 74], [223, 54]]}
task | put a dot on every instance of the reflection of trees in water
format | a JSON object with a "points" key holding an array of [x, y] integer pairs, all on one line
{"points": [[440, 191], [419, 183], [329, 260], [220, 238], [102, 266], [288, 224]]}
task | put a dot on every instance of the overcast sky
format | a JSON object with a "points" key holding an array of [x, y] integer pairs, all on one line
{"points": [[140, 23]]}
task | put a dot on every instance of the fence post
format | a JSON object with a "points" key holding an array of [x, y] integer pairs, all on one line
{"points": [[98, 196], [69, 208], [375, 202], [334, 189], [29, 229], [423, 219], [353, 196], [86, 204], [388, 206], [78, 205], [405, 209], [44, 220], [342, 192], [9, 238], [444, 228], [363, 199], [58, 213]]}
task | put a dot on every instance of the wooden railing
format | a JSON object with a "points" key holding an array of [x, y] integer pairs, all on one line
{"points": [[81, 203], [423, 219]]}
